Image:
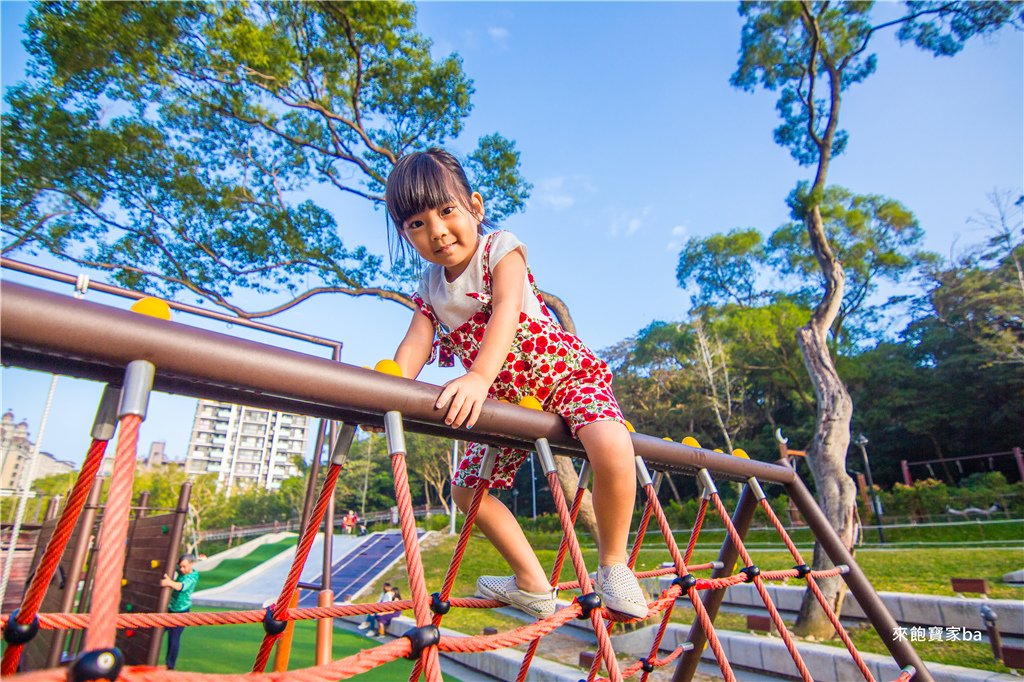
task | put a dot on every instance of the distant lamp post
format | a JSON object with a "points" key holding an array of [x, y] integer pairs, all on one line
{"points": [[861, 441], [515, 502]]}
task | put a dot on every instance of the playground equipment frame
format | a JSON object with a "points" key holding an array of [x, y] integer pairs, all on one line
{"points": [[58, 334]]}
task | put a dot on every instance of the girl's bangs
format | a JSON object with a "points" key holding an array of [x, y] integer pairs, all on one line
{"points": [[420, 186]]}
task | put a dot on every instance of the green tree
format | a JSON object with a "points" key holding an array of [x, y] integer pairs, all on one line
{"points": [[812, 53], [174, 144]]}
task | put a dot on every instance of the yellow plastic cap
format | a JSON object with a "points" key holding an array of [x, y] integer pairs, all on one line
{"points": [[629, 427], [740, 452], [531, 403], [388, 367], [719, 450], [152, 307], [691, 441], [667, 438], [153, 563]]}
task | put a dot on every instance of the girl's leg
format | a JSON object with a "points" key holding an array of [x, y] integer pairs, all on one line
{"points": [[500, 527], [610, 451]]}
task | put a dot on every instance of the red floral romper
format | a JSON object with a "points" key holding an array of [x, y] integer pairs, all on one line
{"points": [[544, 361]]}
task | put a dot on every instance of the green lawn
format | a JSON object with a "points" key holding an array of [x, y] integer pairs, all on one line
{"points": [[233, 648], [229, 569]]}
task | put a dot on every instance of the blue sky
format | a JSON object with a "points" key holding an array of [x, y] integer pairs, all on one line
{"points": [[635, 141]]}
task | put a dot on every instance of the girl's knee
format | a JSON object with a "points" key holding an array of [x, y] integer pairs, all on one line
{"points": [[463, 497]]}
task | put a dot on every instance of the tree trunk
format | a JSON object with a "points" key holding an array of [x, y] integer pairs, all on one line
{"points": [[826, 455]]}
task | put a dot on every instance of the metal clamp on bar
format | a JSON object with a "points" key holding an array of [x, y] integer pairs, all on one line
{"points": [[138, 382], [642, 474], [547, 459], [755, 487], [487, 463], [708, 483], [344, 443], [585, 472], [394, 432], [105, 422]]}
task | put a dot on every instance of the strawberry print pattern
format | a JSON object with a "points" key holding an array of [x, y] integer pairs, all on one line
{"points": [[545, 361]]}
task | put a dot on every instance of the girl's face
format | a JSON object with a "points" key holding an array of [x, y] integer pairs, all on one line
{"points": [[447, 235]]}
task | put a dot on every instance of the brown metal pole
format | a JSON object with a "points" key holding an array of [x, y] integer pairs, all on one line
{"points": [[171, 560], [874, 609], [97, 341], [85, 524], [85, 601], [741, 518]]}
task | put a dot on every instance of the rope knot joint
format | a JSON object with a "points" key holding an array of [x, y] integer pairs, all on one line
{"points": [[750, 572], [420, 638], [98, 664], [271, 625], [802, 570], [20, 633], [588, 602], [685, 581], [439, 606]]}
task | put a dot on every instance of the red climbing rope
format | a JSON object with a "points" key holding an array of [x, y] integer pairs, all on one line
{"points": [[110, 563], [54, 551], [291, 583], [773, 612], [813, 586]]}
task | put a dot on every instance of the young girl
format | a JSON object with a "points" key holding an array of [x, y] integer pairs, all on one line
{"points": [[478, 299]]}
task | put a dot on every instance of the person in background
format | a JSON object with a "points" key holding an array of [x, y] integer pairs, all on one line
{"points": [[183, 585], [384, 619], [371, 623]]}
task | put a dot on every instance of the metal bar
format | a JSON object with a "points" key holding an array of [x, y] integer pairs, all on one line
{"points": [[874, 609], [56, 276], [85, 528], [95, 338], [741, 518]]}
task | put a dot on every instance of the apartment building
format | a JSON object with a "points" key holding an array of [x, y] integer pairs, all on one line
{"points": [[16, 448], [245, 446]]}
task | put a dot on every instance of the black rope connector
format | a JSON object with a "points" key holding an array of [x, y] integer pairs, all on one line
{"points": [[751, 572], [98, 664], [646, 665], [271, 625], [588, 602], [802, 570], [685, 581], [20, 633], [421, 638], [438, 606]]}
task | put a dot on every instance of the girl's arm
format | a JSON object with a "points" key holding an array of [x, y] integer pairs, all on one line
{"points": [[468, 392], [414, 351]]}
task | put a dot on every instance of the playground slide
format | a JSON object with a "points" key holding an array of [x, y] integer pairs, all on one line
{"points": [[255, 587]]}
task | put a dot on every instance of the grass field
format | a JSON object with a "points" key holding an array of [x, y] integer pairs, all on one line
{"points": [[229, 569], [233, 648]]}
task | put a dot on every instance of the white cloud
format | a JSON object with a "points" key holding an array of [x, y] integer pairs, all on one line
{"points": [[626, 225], [499, 35], [561, 192], [675, 243]]}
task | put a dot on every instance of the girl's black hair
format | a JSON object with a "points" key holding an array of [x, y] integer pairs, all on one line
{"points": [[422, 181]]}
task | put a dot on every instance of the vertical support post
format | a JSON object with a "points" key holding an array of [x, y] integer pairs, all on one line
{"points": [[874, 609], [177, 532], [712, 599], [909, 480], [1017, 455], [86, 522]]}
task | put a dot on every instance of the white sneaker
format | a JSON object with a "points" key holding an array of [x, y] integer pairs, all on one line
{"points": [[505, 590], [364, 625], [620, 591]]}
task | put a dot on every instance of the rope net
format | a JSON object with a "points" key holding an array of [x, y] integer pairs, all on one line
{"points": [[423, 643]]}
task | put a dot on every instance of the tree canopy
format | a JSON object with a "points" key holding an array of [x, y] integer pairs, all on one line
{"points": [[176, 144]]}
